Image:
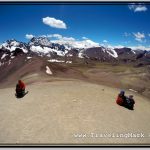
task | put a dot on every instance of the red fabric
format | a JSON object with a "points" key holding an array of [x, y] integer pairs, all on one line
{"points": [[21, 85], [119, 100]]}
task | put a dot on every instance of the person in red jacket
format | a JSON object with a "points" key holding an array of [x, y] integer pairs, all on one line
{"points": [[127, 102], [20, 87], [121, 98]]}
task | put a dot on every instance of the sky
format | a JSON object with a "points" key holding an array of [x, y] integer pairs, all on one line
{"points": [[115, 25]]}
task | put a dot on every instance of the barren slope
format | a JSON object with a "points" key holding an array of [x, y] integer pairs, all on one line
{"points": [[53, 112]]}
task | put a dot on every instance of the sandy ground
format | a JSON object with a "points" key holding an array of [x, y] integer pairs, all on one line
{"points": [[56, 112]]}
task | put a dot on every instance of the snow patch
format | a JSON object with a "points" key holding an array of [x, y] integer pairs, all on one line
{"points": [[69, 55], [48, 55], [4, 55], [46, 50], [12, 57], [24, 50], [38, 49], [14, 43], [80, 55], [9, 62], [68, 62], [103, 49], [48, 71], [112, 52], [55, 60], [133, 51], [132, 90], [29, 57], [59, 53]]}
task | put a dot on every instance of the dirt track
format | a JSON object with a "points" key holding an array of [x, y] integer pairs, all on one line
{"points": [[53, 112]]}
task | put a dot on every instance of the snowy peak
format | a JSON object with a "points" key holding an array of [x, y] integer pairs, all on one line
{"points": [[123, 50], [43, 46], [39, 41], [71, 43], [45, 42], [12, 45], [101, 53]]}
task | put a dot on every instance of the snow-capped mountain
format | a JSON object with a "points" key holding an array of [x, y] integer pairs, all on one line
{"points": [[11, 45], [42, 47], [127, 54], [71, 43], [100, 53], [39, 41], [10, 49]]}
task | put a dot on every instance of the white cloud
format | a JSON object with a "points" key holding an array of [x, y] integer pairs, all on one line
{"points": [[55, 36], [140, 8], [149, 34], [115, 46], [90, 43], [68, 38], [105, 41], [126, 34], [141, 47], [43, 36], [139, 36], [137, 7], [29, 36], [84, 38], [60, 37], [74, 43], [52, 22], [119, 46]]}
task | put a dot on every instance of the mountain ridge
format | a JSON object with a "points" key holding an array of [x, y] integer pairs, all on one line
{"points": [[43, 46]]}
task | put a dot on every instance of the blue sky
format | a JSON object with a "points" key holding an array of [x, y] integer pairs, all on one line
{"points": [[126, 24]]}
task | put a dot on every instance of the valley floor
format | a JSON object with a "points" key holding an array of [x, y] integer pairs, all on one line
{"points": [[59, 112]]}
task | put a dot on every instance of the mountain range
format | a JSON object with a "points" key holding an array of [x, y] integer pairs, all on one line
{"points": [[43, 47]]}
